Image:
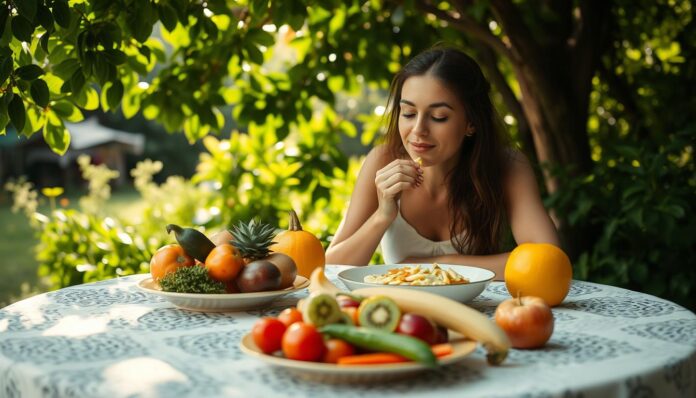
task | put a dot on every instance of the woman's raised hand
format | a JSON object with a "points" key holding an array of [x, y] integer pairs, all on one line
{"points": [[394, 178]]}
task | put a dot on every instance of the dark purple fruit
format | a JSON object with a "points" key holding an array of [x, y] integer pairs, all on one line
{"points": [[258, 276]]}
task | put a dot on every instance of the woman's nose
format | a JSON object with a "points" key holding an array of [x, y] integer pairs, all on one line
{"points": [[421, 126]]}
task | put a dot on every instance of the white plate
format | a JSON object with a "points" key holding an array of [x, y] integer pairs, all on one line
{"points": [[327, 372], [479, 278], [221, 302]]}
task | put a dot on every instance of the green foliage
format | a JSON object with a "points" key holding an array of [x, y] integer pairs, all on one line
{"points": [[193, 279], [640, 202], [76, 247]]}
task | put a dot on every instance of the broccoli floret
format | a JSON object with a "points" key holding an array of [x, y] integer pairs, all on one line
{"points": [[193, 279]]}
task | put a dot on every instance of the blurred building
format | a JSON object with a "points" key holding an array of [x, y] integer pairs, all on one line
{"points": [[32, 156]]}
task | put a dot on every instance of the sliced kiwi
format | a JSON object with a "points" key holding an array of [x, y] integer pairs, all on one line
{"points": [[379, 312], [321, 309]]}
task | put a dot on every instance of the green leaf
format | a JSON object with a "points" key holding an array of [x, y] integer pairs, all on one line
{"points": [[140, 20], [4, 117], [253, 53], [5, 69], [259, 36], [27, 8], [115, 57], [4, 15], [17, 112], [61, 13], [39, 92], [45, 18], [44, 41], [167, 15], [114, 95], [29, 72], [65, 69], [62, 108], [57, 137], [22, 29], [77, 80]]}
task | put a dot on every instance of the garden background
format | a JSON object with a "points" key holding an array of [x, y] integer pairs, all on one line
{"points": [[251, 108]]}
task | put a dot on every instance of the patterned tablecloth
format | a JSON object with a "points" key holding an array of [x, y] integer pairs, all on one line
{"points": [[110, 339]]}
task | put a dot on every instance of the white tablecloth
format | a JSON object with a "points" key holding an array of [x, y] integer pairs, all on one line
{"points": [[109, 339]]}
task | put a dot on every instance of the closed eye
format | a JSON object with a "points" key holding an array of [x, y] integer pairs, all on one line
{"points": [[439, 119], [408, 115]]}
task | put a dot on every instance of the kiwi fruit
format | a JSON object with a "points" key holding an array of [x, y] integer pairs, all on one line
{"points": [[379, 312], [321, 309]]}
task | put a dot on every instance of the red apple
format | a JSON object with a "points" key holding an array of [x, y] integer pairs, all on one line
{"points": [[346, 301], [527, 321], [418, 326]]}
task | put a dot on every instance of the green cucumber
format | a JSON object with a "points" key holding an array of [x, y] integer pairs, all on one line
{"points": [[379, 340], [194, 242]]}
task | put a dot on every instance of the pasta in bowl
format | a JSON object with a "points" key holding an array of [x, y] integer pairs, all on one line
{"points": [[457, 282]]}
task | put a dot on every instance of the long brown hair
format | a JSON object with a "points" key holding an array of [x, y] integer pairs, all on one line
{"points": [[475, 185]]}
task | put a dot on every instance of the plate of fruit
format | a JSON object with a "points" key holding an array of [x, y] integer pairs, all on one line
{"points": [[239, 269], [357, 339]]}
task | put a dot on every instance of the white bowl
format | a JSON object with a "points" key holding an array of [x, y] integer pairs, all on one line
{"points": [[479, 278]]}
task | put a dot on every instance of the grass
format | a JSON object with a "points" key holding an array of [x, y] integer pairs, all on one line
{"points": [[17, 255]]}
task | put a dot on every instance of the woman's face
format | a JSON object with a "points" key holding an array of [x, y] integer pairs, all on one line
{"points": [[432, 123]]}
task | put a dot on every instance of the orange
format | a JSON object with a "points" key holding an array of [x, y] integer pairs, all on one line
{"points": [[224, 263], [539, 269], [168, 259]]}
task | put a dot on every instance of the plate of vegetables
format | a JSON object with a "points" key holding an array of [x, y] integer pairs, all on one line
{"points": [[237, 269], [353, 339], [219, 302]]}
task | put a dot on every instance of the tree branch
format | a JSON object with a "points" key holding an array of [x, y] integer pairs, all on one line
{"points": [[521, 38], [468, 25], [592, 36], [490, 62]]}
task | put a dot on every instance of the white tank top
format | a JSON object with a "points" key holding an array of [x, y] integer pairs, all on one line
{"points": [[401, 241]]}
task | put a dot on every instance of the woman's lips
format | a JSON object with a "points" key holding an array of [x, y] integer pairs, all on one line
{"points": [[420, 147]]}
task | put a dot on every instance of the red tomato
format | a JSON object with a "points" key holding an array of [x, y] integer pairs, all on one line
{"points": [[337, 348], [290, 315], [527, 321], [168, 259], [303, 342], [268, 334]]}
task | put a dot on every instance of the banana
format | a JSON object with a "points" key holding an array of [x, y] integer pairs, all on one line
{"points": [[318, 282], [450, 314]]}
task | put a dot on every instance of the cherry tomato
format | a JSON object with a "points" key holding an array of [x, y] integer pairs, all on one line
{"points": [[290, 315], [268, 334], [303, 342], [337, 348]]}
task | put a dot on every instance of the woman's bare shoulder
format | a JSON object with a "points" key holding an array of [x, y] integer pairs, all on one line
{"points": [[517, 161]]}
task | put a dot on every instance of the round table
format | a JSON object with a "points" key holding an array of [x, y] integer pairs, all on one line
{"points": [[110, 339]]}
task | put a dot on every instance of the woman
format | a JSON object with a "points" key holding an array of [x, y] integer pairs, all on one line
{"points": [[445, 185]]}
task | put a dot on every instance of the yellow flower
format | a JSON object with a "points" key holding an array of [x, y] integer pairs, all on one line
{"points": [[52, 192]]}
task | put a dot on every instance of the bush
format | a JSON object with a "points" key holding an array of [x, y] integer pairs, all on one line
{"points": [[642, 202]]}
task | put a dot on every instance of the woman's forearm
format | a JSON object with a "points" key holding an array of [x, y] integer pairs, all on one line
{"points": [[358, 248], [493, 262]]}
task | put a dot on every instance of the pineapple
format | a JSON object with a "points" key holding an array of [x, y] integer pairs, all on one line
{"points": [[253, 239]]}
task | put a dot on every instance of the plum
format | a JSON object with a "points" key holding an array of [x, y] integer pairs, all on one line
{"points": [[418, 326]]}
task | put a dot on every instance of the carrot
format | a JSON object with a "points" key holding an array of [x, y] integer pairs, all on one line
{"points": [[378, 358], [441, 350], [374, 358]]}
